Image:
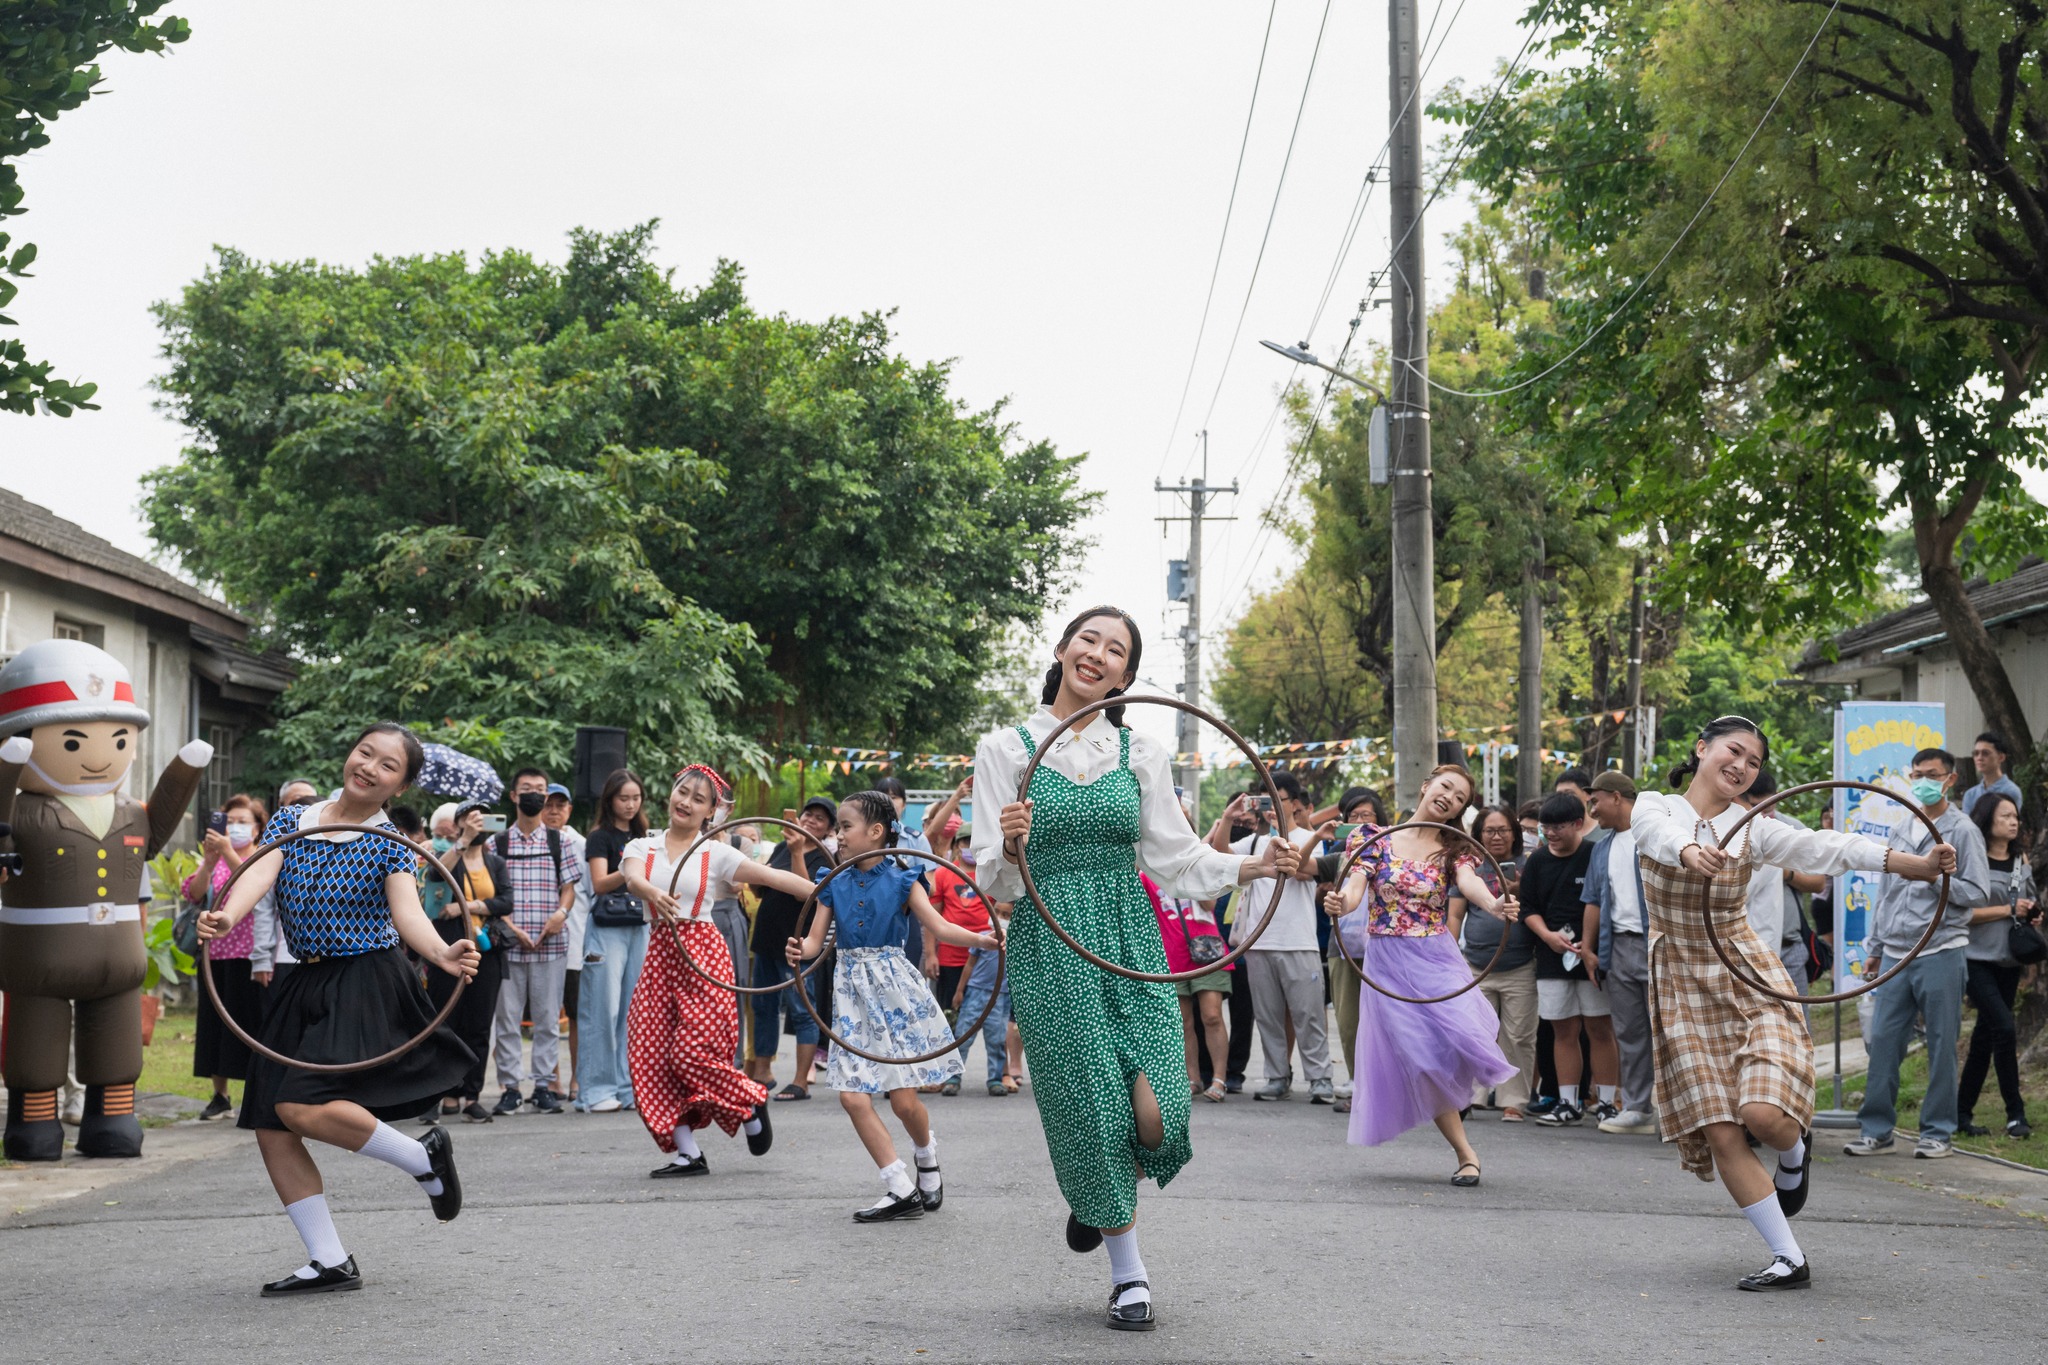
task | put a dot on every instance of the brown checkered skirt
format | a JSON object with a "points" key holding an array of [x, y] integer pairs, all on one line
{"points": [[1718, 1044]]}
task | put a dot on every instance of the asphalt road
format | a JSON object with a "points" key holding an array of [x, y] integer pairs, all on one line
{"points": [[1279, 1243]]}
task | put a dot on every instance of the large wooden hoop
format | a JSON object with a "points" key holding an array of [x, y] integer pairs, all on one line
{"points": [[675, 925], [333, 1068], [1741, 972], [960, 1035], [1344, 875], [1081, 717]]}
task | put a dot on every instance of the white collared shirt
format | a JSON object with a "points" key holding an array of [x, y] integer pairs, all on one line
{"points": [[1167, 848]]}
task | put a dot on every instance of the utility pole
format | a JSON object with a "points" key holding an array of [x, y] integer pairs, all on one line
{"points": [[1199, 492], [1631, 757], [1414, 532], [1529, 754]]}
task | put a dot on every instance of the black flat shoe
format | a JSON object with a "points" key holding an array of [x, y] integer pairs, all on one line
{"points": [[474, 1112], [1132, 1317], [441, 1152], [696, 1165], [932, 1198], [1794, 1199], [1081, 1238], [2018, 1128], [907, 1206], [1779, 1274], [216, 1107], [1969, 1129], [759, 1143], [1463, 1181], [331, 1279]]}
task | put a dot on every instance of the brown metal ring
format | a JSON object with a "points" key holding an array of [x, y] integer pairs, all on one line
{"points": [[1740, 973], [960, 1035], [1024, 849], [675, 925], [1344, 875], [332, 1068]]}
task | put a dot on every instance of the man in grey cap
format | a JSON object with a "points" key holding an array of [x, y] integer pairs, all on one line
{"points": [[1614, 884]]}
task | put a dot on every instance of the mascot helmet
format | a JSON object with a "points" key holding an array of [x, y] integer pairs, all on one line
{"points": [[65, 680]]}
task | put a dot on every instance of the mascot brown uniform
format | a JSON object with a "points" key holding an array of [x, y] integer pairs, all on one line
{"points": [[70, 926]]}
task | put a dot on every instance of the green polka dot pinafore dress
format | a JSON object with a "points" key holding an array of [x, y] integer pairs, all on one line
{"points": [[1087, 1032]]}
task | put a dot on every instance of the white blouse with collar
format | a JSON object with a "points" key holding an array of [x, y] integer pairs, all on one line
{"points": [[1665, 822], [1181, 863]]}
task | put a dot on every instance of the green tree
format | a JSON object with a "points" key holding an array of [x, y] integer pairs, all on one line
{"points": [[507, 498], [1854, 328], [49, 65]]}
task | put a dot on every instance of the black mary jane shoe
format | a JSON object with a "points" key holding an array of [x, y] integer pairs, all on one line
{"points": [[441, 1156], [759, 1143], [905, 1206], [1779, 1274], [1792, 1200], [1463, 1181], [672, 1170], [1081, 1237], [932, 1198], [1131, 1317], [331, 1279]]}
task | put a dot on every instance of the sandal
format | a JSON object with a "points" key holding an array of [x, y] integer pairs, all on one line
{"points": [[950, 1088], [1464, 1181], [793, 1091], [1214, 1094], [1010, 1082]]}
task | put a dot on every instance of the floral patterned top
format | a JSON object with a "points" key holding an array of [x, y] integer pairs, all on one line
{"points": [[1408, 898]]}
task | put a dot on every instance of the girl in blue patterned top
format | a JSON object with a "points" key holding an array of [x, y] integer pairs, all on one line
{"points": [[346, 902], [883, 1004]]}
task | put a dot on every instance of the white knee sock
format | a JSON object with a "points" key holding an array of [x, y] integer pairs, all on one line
{"points": [[686, 1145], [316, 1229], [1125, 1265], [928, 1181], [1606, 1094], [1770, 1223], [896, 1178], [394, 1148], [1791, 1162], [1567, 1094]]}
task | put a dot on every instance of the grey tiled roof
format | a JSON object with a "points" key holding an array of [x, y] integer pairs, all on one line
{"points": [[2023, 594], [39, 526]]}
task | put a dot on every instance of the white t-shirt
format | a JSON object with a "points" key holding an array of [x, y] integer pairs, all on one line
{"points": [[1293, 928], [705, 882]]}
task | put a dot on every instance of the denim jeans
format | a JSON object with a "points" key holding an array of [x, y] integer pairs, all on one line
{"points": [[770, 1011], [994, 1033], [612, 955], [1931, 986]]}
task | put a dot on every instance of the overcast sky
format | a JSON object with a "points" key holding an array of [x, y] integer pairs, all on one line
{"points": [[1036, 190]]}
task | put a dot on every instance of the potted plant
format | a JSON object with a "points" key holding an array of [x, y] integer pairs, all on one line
{"points": [[165, 964]]}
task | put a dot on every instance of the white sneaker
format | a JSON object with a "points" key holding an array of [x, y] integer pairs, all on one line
{"points": [[610, 1106], [1933, 1148], [1630, 1121]]}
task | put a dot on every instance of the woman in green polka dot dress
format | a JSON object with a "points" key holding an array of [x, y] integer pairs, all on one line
{"points": [[1101, 806]]}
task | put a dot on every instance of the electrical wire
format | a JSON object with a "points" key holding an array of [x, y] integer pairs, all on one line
{"points": [[1409, 362], [1228, 209]]}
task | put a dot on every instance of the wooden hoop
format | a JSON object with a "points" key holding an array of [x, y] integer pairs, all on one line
{"points": [[332, 1068], [1741, 972], [1024, 848], [1344, 875], [675, 925], [960, 1035]]}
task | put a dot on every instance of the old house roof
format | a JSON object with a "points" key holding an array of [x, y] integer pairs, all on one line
{"points": [[1891, 637]]}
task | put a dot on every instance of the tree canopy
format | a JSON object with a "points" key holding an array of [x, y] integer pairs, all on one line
{"points": [[503, 498], [49, 65]]}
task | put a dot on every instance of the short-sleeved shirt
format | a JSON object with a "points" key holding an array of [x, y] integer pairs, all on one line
{"points": [[1411, 897], [958, 902], [1480, 935], [608, 843], [1555, 889], [330, 893], [1293, 927], [776, 916], [706, 881], [536, 890], [871, 906]]}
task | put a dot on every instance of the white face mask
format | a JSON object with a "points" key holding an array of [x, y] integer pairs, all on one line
{"points": [[241, 835]]}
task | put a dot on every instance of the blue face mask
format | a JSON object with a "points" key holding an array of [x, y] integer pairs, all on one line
{"points": [[1927, 791]]}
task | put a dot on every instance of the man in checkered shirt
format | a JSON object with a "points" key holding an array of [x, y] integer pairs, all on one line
{"points": [[543, 875]]}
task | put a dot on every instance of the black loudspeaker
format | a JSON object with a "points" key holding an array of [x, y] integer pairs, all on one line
{"points": [[600, 752], [1450, 751]]}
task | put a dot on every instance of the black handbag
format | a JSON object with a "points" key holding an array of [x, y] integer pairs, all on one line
{"points": [[618, 910], [2024, 942]]}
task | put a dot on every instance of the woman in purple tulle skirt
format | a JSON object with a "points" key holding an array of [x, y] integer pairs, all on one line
{"points": [[1419, 1063]]}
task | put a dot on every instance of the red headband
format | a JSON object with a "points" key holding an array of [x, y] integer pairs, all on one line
{"points": [[719, 787]]}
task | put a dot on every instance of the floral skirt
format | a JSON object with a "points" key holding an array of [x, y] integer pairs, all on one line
{"points": [[883, 1004]]}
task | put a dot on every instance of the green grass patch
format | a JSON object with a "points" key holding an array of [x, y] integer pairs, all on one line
{"points": [[167, 1061], [2031, 1151]]}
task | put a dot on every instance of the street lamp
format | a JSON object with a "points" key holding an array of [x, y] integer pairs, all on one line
{"points": [[1300, 356]]}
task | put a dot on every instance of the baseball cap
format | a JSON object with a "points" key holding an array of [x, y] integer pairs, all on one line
{"points": [[557, 789], [1616, 781], [466, 807], [820, 803]]}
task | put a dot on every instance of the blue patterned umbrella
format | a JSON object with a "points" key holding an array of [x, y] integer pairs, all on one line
{"points": [[452, 773]]}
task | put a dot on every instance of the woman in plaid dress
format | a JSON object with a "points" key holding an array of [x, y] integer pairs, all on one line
{"points": [[1729, 1059]]}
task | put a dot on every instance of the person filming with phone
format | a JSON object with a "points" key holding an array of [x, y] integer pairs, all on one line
{"points": [[485, 900]]}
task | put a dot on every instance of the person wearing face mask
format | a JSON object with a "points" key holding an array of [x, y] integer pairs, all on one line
{"points": [[544, 879], [216, 1052], [1932, 985], [1731, 1062]]}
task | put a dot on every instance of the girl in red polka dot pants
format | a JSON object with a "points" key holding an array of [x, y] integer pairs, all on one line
{"points": [[682, 1030]]}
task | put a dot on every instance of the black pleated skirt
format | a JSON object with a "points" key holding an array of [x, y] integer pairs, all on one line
{"points": [[215, 1050], [344, 1009]]}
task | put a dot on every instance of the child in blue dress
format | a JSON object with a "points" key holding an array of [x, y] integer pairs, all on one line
{"points": [[882, 1003]]}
